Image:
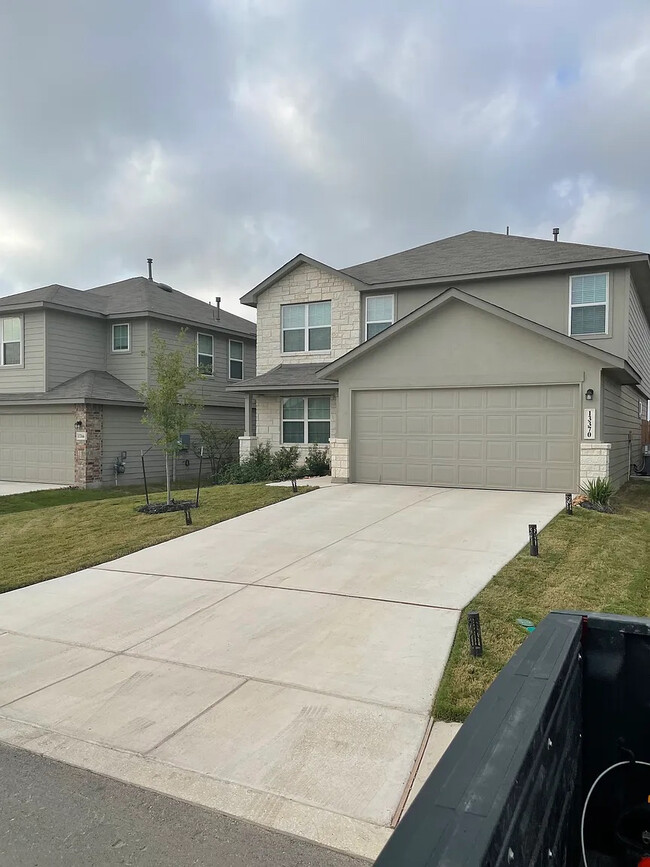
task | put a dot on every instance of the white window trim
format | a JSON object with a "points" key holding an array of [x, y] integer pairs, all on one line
{"points": [[305, 419], [306, 328], [128, 332], [379, 321], [21, 325], [604, 333], [230, 359], [198, 365]]}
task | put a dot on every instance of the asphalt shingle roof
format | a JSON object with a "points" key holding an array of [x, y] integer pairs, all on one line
{"points": [[475, 253], [132, 296], [284, 375], [93, 386]]}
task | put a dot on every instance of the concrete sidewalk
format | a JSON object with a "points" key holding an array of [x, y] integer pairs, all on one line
{"points": [[279, 667]]}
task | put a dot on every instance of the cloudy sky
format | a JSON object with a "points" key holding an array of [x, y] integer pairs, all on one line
{"points": [[222, 137]]}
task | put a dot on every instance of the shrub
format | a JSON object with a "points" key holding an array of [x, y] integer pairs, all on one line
{"points": [[219, 445], [317, 462], [599, 491], [264, 466]]}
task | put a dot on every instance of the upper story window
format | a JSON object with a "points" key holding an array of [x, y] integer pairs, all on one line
{"points": [[235, 359], [10, 341], [307, 327], [205, 354], [589, 304], [380, 313], [121, 340]]}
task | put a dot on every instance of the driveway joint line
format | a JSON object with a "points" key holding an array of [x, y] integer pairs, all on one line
{"points": [[167, 764], [61, 679], [194, 718]]}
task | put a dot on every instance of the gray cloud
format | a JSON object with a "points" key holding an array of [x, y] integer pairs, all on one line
{"points": [[223, 136]]}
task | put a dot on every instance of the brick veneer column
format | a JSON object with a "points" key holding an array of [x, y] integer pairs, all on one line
{"points": [[88, 452]]}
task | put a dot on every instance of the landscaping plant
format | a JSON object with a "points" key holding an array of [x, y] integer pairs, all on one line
{"points": [[219, 445], [169, 407], [317, 462], [599, 492]]}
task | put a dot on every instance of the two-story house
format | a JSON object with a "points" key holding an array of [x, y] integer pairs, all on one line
{"points": [[71, 365], [481, 360]]}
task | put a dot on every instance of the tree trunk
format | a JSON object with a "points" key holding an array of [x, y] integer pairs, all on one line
{"points": [[168, 479]]}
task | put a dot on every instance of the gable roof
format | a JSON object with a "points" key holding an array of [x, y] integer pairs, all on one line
{"points": [[132, 297], [452, 294], [250, 298], [474, 253], [91, 386]]}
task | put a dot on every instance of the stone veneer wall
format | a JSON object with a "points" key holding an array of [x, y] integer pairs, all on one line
{"points": [[340, 457], [88, 453], [307, 283], [594, 461]]}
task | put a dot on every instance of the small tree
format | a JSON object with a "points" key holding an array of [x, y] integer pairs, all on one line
{"points": [[218, 445], [169, 407]]}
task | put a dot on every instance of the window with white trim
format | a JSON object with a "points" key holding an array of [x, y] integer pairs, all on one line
{"points": [[235, 359], [205, 354], [307, 327], [11, 342], [380, 314], [306, 419], [121, 337], [589, 303]]}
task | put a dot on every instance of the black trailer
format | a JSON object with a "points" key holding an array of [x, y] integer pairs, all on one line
{"points": [[555, 755]]}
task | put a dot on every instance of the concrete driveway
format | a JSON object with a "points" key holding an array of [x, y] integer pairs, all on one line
{"points": [[279, 666], [7, 488]]}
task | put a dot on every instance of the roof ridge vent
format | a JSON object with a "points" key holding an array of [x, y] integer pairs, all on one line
{"points": [[165, 286]]}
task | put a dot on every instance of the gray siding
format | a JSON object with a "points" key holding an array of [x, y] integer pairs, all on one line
{"points": [[124, 432], [639, 338], [212, 389], [30, 376], [541, 298], [130, 367], [620, 419], [74, 344]]}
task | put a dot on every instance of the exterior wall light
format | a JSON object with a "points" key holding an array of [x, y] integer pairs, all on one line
{"points": [[589, 394], [78, 424]]}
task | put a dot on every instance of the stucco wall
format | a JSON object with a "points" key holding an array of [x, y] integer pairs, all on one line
{"points": [[307, 283], [459, 345], [543, 298]]}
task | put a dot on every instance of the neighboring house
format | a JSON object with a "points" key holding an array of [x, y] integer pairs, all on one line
{"points": [[481, 361], [71, 365]]}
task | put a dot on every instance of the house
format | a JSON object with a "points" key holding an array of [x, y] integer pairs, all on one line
{"points": [[71, 365], [480, 360]]}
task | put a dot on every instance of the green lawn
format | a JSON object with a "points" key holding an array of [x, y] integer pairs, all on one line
{"points": [[46, 541], [61, 496], [588, 561]]}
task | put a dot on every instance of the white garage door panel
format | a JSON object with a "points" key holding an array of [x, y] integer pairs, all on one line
{"points": [[524, 438], [37, 447]]}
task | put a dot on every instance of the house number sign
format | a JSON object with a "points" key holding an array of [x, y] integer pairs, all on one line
{"points": [[81, 436], [590, 424]]}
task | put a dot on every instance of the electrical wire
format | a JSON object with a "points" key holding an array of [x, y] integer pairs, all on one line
{"points": [[593, 786]]}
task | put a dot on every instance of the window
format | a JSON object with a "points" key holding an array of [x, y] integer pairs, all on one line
{"points": [[205, 354], [11, 341], [307, 327], [379, 314], [121, 338], [306, 420], [235, 359], [589, 301]]}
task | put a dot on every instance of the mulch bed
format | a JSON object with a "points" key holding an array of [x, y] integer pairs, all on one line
{"points": [[161, 508]]}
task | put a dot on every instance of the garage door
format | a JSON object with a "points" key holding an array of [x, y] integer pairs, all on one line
{"points": [[37, 447], [506, 438]]}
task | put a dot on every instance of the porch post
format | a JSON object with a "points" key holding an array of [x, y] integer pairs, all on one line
{"points": [[248, 399]]}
